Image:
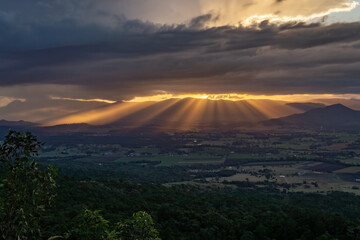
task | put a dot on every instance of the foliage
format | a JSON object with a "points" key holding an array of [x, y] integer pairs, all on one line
{"points": [[90, 225], [140, 226], [189, 212], [25, 189], [180, 211]]}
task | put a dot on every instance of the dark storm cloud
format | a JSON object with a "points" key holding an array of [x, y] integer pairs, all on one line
{"points": [[200, 21], [317, 36], [114, 57]]}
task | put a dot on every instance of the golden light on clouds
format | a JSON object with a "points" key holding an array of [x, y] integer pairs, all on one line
{"points": [[248, 12], [239, 97], [83, 100], [166, 96], [299, 18], [4, 101]]}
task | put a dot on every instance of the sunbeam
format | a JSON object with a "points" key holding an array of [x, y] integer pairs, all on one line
{"points": [[183, 114]]}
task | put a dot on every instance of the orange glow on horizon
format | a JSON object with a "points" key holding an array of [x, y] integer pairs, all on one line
{"points": [[240, 97], [186, 112]]}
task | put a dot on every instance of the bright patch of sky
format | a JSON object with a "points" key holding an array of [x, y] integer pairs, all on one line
{"points": [[352, 16]]}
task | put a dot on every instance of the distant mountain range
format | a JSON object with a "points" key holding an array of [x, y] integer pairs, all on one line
{"points": [[306, 106], [16, 123], [333, 116]]}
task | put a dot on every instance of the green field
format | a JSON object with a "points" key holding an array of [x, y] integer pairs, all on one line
{"points": [[351, 161], [176, 160]]}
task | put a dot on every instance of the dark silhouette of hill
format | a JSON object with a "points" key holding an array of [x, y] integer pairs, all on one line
{"points": [[65, 128], [39, 129], [336, 115], [16, 123], [306, 106]]}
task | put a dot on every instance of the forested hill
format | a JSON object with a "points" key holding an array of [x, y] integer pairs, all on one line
{"points": [[196, 213]]}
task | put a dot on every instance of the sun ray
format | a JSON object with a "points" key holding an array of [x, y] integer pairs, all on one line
{"points": [[253, 111], [102, 116], [186, 113], [149, 115], [273, 109], [182, 119]]}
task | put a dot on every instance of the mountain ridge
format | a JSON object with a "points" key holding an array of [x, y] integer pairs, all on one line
{"points": [[336, 115]]}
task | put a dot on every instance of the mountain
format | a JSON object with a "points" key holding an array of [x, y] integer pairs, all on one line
{"points": [[15, 125], [333, 116], [64, 128], [39, 129], [350, 103], [4, 123], [306, 106]]}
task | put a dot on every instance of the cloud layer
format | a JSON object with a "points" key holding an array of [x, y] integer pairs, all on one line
{"points": [[235, 12], [116, 50], [291, 58]]}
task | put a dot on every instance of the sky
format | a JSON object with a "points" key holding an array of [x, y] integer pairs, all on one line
{"points": [[58, 57]]}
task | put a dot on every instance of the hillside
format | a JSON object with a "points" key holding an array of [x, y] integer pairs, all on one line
{"points": [[336, 115]]}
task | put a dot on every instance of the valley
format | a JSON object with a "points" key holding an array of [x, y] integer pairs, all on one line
{"points": [[306, 161]]}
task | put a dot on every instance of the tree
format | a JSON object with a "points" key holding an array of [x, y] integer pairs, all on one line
{"points": [[90, 225], [139, 227], [25, 189]]}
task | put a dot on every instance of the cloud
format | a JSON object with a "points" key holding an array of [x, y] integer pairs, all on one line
{"points": [[83, 100], [234, 12], [121, 49], [4, 101], [37, 105], [180, 55]]}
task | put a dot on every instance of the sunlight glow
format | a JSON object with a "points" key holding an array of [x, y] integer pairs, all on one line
{"points": [[239, 97], [166, 96], [101, 116], [189, 111], [83, 100], [255, 19], [247, 13]]}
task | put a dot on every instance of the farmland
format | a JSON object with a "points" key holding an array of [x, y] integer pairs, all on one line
{"points": [[303, 161]]}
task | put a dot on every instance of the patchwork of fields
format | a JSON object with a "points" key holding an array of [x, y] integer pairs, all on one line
{"points": [[300, 161]]}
